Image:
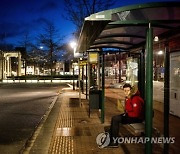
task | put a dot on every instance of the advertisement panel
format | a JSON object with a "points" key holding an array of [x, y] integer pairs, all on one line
{"points": [[175, 83], [132, 71], [93, 58]]}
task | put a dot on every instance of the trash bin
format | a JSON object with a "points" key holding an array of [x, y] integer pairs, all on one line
{"points": [[95, 98]]}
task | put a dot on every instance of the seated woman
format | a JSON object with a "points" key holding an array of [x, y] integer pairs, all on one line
{"points": [[134, 112]]}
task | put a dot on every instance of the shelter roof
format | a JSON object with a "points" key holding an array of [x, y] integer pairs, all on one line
{"points": [[125, 27]]}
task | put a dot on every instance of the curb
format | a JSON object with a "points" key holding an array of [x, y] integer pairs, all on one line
{"points": [[30, 142]]}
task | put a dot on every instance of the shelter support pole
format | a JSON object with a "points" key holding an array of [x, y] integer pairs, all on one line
{"points": [[141, 83], [89, 81], [89, 73], [82, 81], [166, 98], [115, 59], [119, 67], [73, 79], [79, 78], [98, 72], [103, 89], [86, 80], [149, 89]]}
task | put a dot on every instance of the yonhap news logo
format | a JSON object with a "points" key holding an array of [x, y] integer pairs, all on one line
{"points": [[103, 140]]}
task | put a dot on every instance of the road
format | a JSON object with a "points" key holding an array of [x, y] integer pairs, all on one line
{"points": [[22, 107]]}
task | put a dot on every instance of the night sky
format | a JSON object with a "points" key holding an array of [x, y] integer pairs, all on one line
{"points": [[21, 16]]}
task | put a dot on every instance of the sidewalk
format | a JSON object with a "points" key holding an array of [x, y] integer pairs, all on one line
{"points": [[69, 130], [74, 132]]}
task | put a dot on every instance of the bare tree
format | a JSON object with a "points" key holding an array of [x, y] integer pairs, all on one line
{"points": [[77, 10], [50, 40], [37, 57]]}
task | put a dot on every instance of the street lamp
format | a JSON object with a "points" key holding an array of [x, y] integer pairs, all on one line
{"points": [[73, 45]]}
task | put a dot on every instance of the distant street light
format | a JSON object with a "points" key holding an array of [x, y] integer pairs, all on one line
{"points": [[41, 47]]}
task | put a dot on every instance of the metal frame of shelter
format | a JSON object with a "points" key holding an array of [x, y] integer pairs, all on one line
{"points": [[128, 28]]}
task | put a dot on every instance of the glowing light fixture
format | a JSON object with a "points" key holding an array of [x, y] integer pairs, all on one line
{"points": [[156, 38], [160, 52], [73, 44]]}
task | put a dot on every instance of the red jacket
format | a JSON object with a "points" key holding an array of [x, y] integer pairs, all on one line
{"points": [[134, 106]]}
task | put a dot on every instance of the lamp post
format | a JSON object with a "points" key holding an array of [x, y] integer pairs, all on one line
{"points": [[73, 77], [73, 46]]}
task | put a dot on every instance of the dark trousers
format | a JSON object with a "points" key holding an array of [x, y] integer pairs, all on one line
{"points": [[123, 119]]}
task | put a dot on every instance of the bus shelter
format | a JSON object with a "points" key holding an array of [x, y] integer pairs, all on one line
{"points": [[127, 29]]}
